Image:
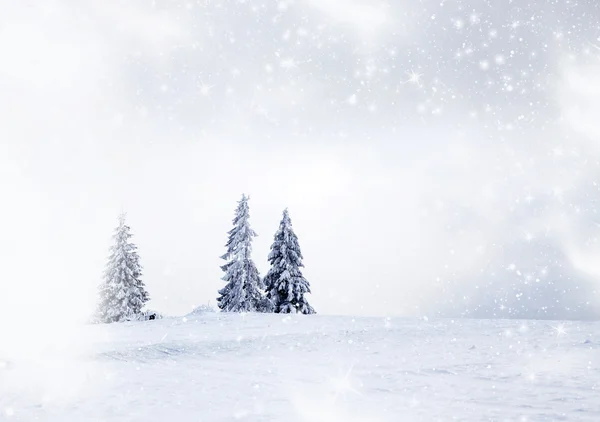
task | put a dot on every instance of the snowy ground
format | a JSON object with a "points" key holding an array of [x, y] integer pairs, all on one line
{"points": [[272, 368]]}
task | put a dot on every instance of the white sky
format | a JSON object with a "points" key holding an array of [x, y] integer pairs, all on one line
{"points": [[409, 196]]}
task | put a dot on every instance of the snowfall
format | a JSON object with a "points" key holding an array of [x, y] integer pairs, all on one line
{"points": [[269, 367]]}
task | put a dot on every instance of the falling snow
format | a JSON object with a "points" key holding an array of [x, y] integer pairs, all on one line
{"points": [[479, 118]]}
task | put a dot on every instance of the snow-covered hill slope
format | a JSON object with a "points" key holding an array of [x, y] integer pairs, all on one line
{"points": [[219, 367]]}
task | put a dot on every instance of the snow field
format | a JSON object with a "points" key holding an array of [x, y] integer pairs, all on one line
{"points": [[269, 367]]}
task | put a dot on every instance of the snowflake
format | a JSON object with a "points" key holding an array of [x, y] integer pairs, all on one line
{"points": [[560, 330], [387, 322], [414, 402], [414, 78], [288, 64], [205, 89], [557, 152], [342, 386]]}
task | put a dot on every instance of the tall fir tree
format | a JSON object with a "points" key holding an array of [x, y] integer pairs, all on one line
{"points": [[122, 293], [242, 293], [285, 284]]}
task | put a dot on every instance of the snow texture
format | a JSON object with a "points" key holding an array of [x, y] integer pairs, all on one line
{"points": [[273, 367], [242, 292], [285, 284], [122, 294]]}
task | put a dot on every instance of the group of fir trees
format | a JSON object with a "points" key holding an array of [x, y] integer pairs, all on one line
{"points": [[123, 293], [283, 288]]}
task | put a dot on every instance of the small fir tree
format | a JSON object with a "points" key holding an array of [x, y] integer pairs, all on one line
{"points": [[123, 293], [285, 284], [242, 293]]}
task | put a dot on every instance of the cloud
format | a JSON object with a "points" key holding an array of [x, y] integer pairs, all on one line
{"points": [[364, 16], [139, 23], [579, 98]]}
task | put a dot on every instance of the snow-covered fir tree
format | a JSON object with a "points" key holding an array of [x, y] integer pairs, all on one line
{"points": [[122, 293], [243, 291], [285, 284]]}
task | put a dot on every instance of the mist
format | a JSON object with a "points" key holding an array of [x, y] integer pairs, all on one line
{"points": [[439, 160]]}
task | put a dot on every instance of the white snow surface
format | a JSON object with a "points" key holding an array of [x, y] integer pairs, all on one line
{"points": [[269, 367]]}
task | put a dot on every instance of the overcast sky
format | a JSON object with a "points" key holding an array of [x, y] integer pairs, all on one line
{"points": [[436, 157]]}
